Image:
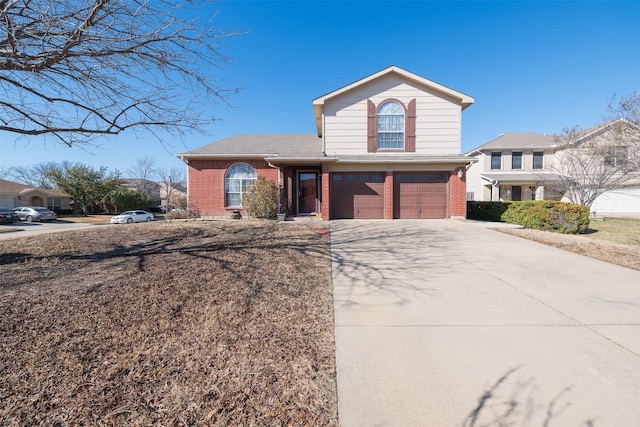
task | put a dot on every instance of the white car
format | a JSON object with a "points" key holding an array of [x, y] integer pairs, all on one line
{"points": [[132, 216]]}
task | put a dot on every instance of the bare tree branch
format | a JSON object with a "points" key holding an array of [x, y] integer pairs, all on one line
{"points": [[593, 162], [78, 70]]}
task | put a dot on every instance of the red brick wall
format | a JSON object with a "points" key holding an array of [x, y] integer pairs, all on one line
{"points": [[458, 194], [206, 183], [388, 191], [325, 192]]}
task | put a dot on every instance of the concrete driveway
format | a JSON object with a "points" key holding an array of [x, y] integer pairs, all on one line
{"points": [[23, 229], [448, 323]]}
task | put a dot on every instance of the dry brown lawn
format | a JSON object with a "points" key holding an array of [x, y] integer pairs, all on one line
{"points": [[614, 240], [172, 324]]}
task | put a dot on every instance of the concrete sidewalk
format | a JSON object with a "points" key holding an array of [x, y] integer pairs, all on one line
{"points": [[448, 323]]}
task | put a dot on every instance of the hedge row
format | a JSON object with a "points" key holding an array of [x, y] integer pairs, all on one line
{"points": [[547, 215]]}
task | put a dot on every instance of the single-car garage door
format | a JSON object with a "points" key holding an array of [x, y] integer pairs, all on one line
{"points": [[420, 195], [357, 195]]}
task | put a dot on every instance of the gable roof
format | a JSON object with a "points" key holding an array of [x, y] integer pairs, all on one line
{"points": [[318, 103], [260, 146], [14, 188], [518, 141], [530, 140]]}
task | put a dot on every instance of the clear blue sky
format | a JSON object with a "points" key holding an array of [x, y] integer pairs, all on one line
{"points": [[531, 67]]}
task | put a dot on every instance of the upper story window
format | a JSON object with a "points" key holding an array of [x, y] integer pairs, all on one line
{"points": [[391, 126], [237, 181], [538, 160], [616, 156], [496, 160], [516, 160]]}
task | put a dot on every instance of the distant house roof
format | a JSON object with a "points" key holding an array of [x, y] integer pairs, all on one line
{"points": [[14, 189], [260, 146], [518, 141], [318, 103], [530, 140]]}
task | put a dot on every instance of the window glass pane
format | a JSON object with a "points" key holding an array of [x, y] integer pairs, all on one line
{"points": [[246, 185], [241, 170], [391, 125], [496, 160], [364, 177], [337, 177], [390, 140], [238, 179], [516, 160], [351, 177], [377, 178], [537, 160], [233, 199]]}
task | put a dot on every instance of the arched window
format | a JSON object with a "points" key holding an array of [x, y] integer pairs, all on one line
{"points": [[391, 126], [238, 179]]}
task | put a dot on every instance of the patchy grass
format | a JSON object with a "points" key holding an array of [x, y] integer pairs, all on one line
{"points": [[203, 323], [615, 240], [625, 231]]}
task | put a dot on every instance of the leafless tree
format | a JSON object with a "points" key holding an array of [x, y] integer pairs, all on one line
{"points": [[626, 107], [38, 175], [77, 70], [5, 171], [171, 180], [143, 173], [594, 161]]}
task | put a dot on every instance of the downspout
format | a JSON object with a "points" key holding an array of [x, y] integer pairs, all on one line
{"points": [[279, 185]]}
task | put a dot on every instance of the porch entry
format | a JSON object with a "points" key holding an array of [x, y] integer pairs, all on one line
{"points": [[307, 192]]}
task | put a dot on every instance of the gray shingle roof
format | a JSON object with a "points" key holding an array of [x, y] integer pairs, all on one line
{"points": [[261, 145], [520, 140]]}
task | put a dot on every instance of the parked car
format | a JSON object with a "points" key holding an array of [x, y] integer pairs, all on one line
{"points": [[7, 216], [158, 209], [35, 213], [132, 216]]}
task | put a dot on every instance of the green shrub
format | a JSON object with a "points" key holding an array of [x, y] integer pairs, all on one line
{"points": [[549, 215], [262, 199], [486, 211]]}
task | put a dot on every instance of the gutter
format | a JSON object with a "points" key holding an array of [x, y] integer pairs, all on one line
{"points": [[493, 182]]}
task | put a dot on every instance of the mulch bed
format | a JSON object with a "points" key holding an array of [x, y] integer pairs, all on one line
{"points": [[174, 324]]}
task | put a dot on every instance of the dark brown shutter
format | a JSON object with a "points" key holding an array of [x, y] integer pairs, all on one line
{"points": [[410, 127], [372, 143]]}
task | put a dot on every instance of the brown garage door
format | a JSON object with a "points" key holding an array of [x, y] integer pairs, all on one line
{"points": [[357, 195], [420, 195]]}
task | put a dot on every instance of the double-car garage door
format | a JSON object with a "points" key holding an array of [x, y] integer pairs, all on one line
{"points": [[361, 195]]}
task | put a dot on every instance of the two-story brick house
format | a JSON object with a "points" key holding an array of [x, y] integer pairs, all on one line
{"points": [[386, 146]]}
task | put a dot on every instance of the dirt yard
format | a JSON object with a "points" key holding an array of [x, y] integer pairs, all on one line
{"points": [[172, 324]]}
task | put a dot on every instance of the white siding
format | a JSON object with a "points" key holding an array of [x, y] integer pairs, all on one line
{"points": [[437, 117]]}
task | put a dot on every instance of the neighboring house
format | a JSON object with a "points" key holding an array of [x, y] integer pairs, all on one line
{"points": [[513, 166], [386, 146], [525, 166], [13, 194], [172, 193], [149, 188]]}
